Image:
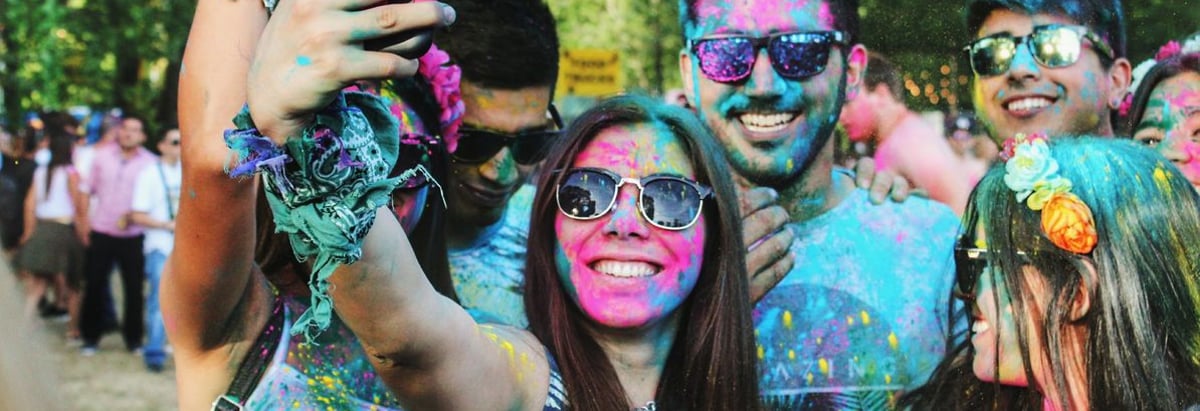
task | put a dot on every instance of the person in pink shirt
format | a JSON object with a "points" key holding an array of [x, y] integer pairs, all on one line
{"points": [[113, 238], [905, 144]]}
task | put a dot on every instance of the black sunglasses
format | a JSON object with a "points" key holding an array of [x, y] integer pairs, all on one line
{"points": [[969, 263], [1052, 45], [477, 145], [666, 201], [795, 56]]}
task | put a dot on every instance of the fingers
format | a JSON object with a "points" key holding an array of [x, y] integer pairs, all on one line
{"points": [[762, 223], [901, 189], [768, 261], [390, 19], [756, 198], [864, 171], [370, 65], [881, 184]]}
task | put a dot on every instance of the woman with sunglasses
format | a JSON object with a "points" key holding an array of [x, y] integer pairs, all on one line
{"points": [[1164, 110], [1080, 272], [235, 303], [635, 285]]}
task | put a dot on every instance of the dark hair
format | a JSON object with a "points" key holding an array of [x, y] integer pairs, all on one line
{"points": [[503, 44], [880, 70], [1104, 17], [711, 365], [1162, 71], [62, 144], [1143, 323], [273, 251], [845, 16]]}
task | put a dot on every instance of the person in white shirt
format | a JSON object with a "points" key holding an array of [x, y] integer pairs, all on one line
{"points": [[155, 201]]}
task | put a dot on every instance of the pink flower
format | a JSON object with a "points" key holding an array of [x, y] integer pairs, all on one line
{"points": [[1167, 50], [445, 78]]}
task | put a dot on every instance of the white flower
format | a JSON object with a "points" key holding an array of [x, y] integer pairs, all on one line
{"points": [[1139, 73], [1031, 164]]}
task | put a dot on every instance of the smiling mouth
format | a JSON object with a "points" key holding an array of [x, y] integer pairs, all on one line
{"points": [[626, 269], [766, 122], [1027, 105]]}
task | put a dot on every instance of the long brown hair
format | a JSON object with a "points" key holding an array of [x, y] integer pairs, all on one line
{"points": [[711, 365]]}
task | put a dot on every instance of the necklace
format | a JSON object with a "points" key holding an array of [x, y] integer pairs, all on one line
{"points": [[648, 407]]}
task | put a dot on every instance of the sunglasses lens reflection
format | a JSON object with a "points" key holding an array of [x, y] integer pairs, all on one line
{"points": [[582, 194], [670, 203]]}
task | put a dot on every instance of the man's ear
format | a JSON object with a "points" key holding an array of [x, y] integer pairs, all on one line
{"points": [[685, 73], [1119, 78], [856, 65], [1089, 280]]}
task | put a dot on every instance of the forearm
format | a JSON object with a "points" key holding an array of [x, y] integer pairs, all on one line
{"points": [[145, 220]]}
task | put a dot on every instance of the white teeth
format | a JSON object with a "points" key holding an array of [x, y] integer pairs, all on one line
{"points": [[980, 326], [1026, 104], [625, 268], [765, 123]]}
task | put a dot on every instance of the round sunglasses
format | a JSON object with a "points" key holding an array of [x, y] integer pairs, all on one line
{"points": [[797, 55], [1052, 45], [666, 201], [477, 145]]}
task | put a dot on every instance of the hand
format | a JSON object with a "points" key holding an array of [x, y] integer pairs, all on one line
{"points": [[767, 238], [312, 49], [880, 183]]}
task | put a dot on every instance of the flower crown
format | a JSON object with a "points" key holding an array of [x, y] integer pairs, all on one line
{"points": [[1033, 174], [1171, 49], [444, 81]]}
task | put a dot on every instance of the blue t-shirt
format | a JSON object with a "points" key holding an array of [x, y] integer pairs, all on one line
{"points": [[489, 276], [863, 312]]}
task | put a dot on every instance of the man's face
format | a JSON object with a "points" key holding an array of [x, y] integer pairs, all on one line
{"points": [[169, 146], [772, 127], [1031, 98], [478, 192], [858, 116], [131, 134]]}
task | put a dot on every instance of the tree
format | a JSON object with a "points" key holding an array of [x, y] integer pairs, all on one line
{"points": [[97, 53]]}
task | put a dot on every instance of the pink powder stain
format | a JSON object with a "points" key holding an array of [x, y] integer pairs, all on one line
{"points": [[761, 16], [624, 236]]}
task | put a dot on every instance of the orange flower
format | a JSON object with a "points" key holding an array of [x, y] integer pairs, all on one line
{"points": [[1068, 223]]}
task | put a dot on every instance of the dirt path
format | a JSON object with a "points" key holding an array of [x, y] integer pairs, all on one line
{"points": [[113, 379]]}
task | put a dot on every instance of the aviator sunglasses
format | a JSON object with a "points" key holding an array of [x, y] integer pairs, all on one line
{"points": [[1052, 45], [477, 145], [667, 202], [795, 56]]}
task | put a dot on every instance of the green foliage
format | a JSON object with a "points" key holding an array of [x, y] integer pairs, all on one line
{"points": [[98, 53], [646, 32], [924, 37]]}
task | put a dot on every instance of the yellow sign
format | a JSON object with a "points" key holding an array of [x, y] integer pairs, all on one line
{"points": [[589, 72]]}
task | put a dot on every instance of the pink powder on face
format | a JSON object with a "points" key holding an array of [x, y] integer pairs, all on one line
{"points": [[622, 237]]}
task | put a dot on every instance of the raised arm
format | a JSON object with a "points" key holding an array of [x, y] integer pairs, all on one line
{"points": [[427, 348], [209, 276]]}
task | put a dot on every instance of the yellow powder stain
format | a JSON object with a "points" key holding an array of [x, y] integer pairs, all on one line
{"points": [[1162, 179], [808, 378], [823, 364], [790, 164], [887, 378], [893, 341], [296, 404], [866, 318], [787, 319], [792, 355], [312, 381], [761, 352], [849, 320], [327, 381], [819, 339]]}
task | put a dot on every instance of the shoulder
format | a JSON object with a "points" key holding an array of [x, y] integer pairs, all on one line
{"points": [[859, 223]]}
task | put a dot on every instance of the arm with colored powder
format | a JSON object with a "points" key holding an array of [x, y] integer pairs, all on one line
{"points": [[424, 345], [213, 303]]}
